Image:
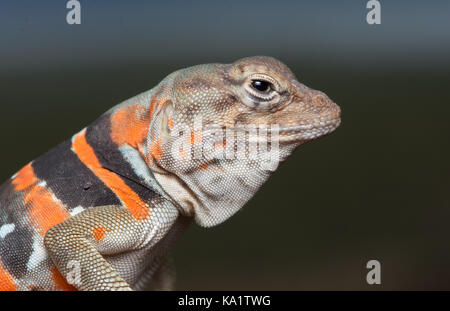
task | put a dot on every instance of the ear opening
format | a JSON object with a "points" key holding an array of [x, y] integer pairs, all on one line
{"points": [[166, 118]]}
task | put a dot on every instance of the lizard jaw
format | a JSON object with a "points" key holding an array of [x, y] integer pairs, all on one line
{"points": [[299, 133], [309, 131]]}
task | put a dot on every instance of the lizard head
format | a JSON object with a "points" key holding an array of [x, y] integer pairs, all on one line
{"points": [[271, 95], [224, 129]]}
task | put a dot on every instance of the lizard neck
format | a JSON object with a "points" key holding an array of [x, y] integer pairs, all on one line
{"points": [[211, 190]]}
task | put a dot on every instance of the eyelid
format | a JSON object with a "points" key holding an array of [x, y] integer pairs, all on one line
{"points": [[262, 96]]}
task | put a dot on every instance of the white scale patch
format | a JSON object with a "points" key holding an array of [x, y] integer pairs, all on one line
{"points": [[6, 229], [133, 157], [39, 253], [76, 210]]}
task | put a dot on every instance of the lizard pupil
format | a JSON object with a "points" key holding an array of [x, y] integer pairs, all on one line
{"points": [[262, 86]]}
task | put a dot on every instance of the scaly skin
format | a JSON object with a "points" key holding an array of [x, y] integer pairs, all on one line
{"points": [[101, 210]]}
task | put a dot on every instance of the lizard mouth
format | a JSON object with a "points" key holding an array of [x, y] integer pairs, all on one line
{"points": [[308, 131], [290, 134]]}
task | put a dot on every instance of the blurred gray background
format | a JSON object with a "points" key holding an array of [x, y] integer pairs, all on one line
{"points": [[378, 188]]}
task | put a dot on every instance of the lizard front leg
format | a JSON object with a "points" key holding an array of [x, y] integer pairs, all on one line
{"points": [[87, 236], [161, 274]]}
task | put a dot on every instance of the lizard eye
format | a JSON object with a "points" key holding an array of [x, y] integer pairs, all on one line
{"points": [[262, 91], [261, 85]]}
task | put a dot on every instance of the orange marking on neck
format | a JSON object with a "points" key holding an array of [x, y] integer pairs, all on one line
{"points": [[59, 281], [141, 150], [24, 178], [45, 211], [204, 166], [99, 232], [151, 109], [192, 138], [156, 150], [129, 198], [129, 125], [195, 137], [220, 145], [183, 154], [6, 280]]}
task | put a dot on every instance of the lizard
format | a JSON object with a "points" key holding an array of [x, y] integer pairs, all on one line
{"points": [[101, 210]]}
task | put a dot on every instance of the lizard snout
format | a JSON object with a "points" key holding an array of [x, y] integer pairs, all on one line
{"points": [[315, 103], [324, 106]]}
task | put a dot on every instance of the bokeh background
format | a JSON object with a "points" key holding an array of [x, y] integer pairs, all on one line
{"points": [[378, 188]]}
